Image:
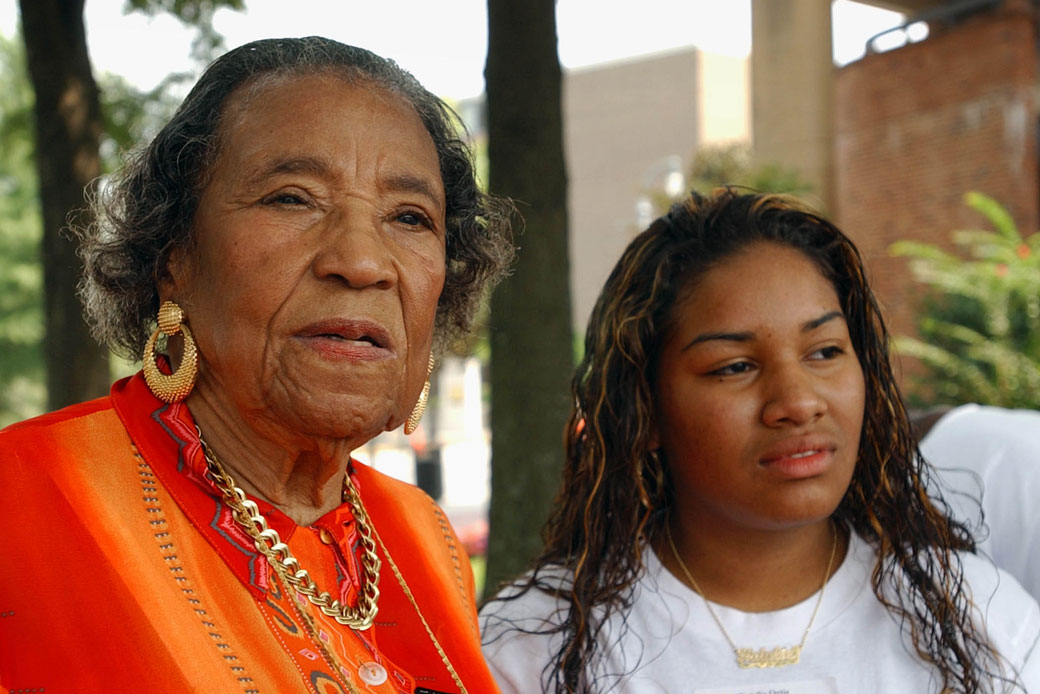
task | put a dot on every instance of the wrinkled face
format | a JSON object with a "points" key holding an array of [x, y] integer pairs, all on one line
{"points": [[319, 258], [760, 394]]}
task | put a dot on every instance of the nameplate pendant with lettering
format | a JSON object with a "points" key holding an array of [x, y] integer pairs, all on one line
{"points": [[777, 657]]}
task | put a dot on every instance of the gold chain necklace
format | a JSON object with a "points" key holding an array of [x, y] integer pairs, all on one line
{"points": [[247, 514], [779, 656], [279, 556]]}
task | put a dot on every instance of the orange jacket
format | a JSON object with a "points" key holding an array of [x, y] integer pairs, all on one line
{"points": [[122, 571]]}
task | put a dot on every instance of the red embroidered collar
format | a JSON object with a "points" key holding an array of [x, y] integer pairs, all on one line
{"points": [[165, 435]]}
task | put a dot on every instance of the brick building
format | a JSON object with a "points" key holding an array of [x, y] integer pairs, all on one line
{"points": [[917, 127], [890, 143], [893, 141]]}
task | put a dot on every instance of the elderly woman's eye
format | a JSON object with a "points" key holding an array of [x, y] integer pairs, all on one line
{"points": [[415, 219], [284, 198]]}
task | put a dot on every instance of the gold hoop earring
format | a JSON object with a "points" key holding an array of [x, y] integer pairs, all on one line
{"points": [[420, 406], [176, 386]]}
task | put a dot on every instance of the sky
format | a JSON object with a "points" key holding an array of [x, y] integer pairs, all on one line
{"points": [[443, 42]]}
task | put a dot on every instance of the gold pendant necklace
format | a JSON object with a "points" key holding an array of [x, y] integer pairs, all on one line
{"points": [[426, 625], [779, 656], [279, 556], [299, 608]]}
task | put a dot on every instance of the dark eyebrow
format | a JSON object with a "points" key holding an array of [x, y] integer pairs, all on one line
{"points": [[749, 335], [817, 322], [729, 337]]}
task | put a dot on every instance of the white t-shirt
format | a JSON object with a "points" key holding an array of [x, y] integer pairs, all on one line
{"points": [[1001, 449], [671, 644]]}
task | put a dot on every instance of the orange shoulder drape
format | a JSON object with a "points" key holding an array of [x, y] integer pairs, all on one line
{"points": [[122, 571]]}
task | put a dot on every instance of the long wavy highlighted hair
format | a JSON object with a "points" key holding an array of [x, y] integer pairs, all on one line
{"points": [[616, 494]]}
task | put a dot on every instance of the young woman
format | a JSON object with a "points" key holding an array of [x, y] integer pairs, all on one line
{"points": [[743, 506]]}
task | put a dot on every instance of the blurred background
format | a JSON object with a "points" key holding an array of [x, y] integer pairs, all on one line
{"points": [[913, 124]]}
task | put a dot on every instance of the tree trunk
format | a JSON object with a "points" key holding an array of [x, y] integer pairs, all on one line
{"points": [[68, 132], [531, 335]]}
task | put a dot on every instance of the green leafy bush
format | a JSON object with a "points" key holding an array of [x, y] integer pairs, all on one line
{"points": [[22, 392], [979, 324], [729, 164]]}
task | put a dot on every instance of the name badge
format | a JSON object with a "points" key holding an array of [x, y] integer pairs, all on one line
{"points": [[827, 685]]}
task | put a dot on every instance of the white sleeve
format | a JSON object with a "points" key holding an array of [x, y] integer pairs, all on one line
{"points": [[1029, 674], [1011, 617], [1001, 449]]}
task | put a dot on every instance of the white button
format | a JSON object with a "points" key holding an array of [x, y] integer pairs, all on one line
{"points": [[372, 673]]}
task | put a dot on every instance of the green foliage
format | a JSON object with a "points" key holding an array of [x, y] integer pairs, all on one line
{"points": [[194, 13], [980, 322], [730, 164], [131, 116], [22, 391]]}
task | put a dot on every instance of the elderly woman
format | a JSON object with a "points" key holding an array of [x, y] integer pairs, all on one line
{"points": [[744, 508], [305, 231]]}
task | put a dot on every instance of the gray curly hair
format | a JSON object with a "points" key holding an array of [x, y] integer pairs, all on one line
{"points": [[148, 210]]}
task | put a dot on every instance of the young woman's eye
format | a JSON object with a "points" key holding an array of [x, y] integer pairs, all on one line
{"points": [[736, 368], [826, 353]]}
